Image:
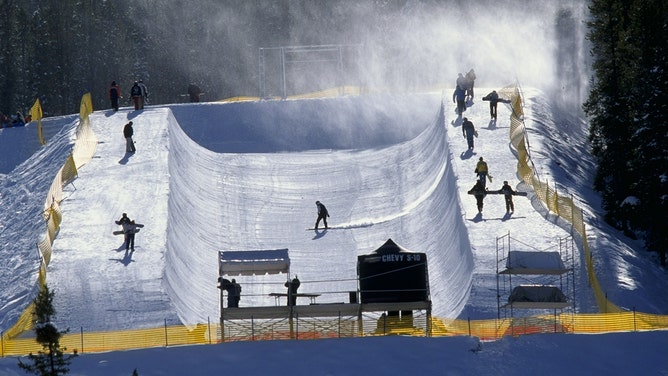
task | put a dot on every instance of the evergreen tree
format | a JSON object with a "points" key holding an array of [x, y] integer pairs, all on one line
{"points": [[627, 112], [50, 361]]}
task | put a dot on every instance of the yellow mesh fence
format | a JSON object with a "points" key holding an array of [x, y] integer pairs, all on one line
{"points": [[612, 318]]}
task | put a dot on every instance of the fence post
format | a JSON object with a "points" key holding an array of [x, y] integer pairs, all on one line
{"points": [[166, 339], [635, 328], [469, 322], [82, 341], [2, 344], [339, 324], [208, 323]]}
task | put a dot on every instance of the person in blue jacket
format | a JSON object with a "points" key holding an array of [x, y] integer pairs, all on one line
{"points": [[459, 97]]}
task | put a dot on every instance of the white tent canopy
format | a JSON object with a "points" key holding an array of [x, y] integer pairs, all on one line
{"points": [[526, 262], [257, 262]]}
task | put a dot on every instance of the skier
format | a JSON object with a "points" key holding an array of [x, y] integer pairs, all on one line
{"points": [[127, 133], [482, 172], [459, 96], [322, 214], [136, 94], [479, 192], [292, 286], [470, 80], [144, 93], [468, 131], [508, 193], [114, 95]]}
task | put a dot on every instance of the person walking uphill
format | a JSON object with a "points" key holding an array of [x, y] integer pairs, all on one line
{"points": [[128, 132], [292, 286], [459, 96], [322, 214], [508, 193], [482, 171], [479, 192], [493, 99], [468, 131], [114, 95]]}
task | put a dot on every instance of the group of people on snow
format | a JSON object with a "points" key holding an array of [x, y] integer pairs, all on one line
{"points": [[138, 93], [14, 120]]}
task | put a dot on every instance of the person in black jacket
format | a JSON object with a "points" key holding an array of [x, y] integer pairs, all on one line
{"points": [[508, 193], [114, 95], [292, 286], [468, 131], [479, 192], [322, 214], [136, 94], [127, 133]]}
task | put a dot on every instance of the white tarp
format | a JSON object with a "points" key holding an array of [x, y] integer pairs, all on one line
{"points": [[258, 262], [529, 262], [530, 296]]}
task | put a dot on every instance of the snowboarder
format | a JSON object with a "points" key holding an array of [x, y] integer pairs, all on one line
{"points": [[136, 94], [479, 192], [130, 231], [128, 132], [144, 93], [322, 214], [493, 99], [124, 221], [508, 193], [459, 96], [470, 81], [114, 95], [468, 131], [194, 92], [482, 172], [292, 286]]}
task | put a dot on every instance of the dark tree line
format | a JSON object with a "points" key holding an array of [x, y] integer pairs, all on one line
{"points": [[628, 113], [56, 50]]}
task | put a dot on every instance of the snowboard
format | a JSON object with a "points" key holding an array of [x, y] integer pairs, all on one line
{"points": [[120, 232]]}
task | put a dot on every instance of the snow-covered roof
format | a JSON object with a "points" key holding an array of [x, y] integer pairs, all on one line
{"points": [[530, 296], [256, 262]]}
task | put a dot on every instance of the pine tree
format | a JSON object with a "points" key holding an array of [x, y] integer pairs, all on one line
{"points": [[50, 361]]}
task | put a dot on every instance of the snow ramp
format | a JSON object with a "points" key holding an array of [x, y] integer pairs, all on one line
{"points": [[245, 176]]}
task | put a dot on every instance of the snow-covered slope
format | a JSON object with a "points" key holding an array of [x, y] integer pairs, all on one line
{"points": [[245, 176]]}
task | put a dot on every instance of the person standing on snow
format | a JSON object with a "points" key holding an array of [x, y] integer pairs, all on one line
{"points": [[114, 95], [144, 93], [292, 286], [128, 132], [194, 92], [493, 99], [322, 214], [482, 171], [479, 192], [135, 93], [124, 221], [459, 96], [508, 193], [468, 131], [470, 81]]}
